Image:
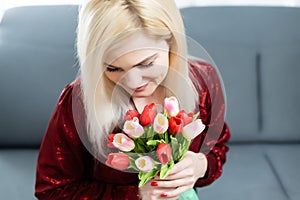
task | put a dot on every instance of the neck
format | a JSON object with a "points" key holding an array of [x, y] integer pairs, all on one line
{"points": [[157, 97]]}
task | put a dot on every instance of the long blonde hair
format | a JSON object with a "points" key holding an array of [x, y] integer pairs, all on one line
{"points": [[102, 25]]}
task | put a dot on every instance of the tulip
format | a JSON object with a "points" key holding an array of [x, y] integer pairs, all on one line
{"points": [[193, 129], [122, 142], [110, 139], [148, 115], [133, 128], [186, 117], [145, 163], [130, 114], [164, 153], [118, 161], [161, 123], [175, 125], [171, 106]]}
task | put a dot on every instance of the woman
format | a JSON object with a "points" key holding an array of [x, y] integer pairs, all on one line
{"points": [[131, 53]]}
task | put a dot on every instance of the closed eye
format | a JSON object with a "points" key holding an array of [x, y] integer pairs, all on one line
{"points": [[146, 65], [110, 69]]}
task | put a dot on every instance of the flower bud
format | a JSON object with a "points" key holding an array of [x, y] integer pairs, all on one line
{"points": [[130, 114], [122, 142], [193, 129], [118, 161], [133, 128], [161, 123], [171, 106], [175, 125], [164, 153], [148, 115], [145, 163]]}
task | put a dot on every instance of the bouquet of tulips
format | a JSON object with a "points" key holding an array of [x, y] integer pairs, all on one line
{"points": [[152, 142]]}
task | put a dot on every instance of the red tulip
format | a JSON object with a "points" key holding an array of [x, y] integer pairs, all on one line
{"points": [[186, 117], [164, 153], [175, 125], [118, 161], [130, 114], [110, 140], [148, 115]]}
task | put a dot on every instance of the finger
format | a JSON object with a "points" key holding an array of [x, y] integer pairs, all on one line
{"points": [[183, 165], [187, 173], [156, 193], [178, 191], [168, 198], [173, 183]]}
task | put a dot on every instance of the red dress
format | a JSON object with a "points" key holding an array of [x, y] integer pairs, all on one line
{"points": [[66, 169]]}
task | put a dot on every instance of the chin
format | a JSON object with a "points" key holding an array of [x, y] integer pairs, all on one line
{"points": [[146, 93]]}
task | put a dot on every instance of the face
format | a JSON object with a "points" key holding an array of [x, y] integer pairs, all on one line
{"points": [[139, 66]]}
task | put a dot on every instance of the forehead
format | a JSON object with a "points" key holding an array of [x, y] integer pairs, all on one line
{"points": [[135, 43]]}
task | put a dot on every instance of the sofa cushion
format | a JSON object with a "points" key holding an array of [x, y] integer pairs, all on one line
{"points": [[258, 172], [37, 59], [17, 170], [285, 161]]}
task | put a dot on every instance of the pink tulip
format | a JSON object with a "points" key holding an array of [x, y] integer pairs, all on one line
{"points": [[161, 123], [145, 163], [133, 128], [171, 106], [118, 161], [193, 129], [164, 153], [122, 142]]}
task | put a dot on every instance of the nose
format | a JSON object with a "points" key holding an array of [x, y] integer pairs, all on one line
{"points": [[133, 78]]}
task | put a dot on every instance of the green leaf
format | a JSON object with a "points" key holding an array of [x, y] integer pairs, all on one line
{"points": [[196, 116], [165, 169], [150, 132], [132, 164], [175, 147], [146, 176], [165, 113], [154, 142], [139, 147], [166, 137]]}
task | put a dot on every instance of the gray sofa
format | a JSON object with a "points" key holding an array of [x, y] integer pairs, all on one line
{"points": [[256, 49]]}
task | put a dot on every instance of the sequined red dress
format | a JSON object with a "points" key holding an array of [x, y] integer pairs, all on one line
{"points": [[66, 170]]}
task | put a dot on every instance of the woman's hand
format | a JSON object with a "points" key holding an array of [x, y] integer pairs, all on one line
{"points": [[180, 179]]}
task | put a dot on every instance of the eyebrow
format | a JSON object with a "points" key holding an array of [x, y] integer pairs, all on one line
{"points": [[140, 63]]}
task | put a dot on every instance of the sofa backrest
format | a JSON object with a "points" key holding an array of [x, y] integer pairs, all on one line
{"points": [[257, 51], [37, 59]]}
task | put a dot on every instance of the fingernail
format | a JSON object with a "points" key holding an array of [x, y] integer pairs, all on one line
{"points": [[154, 183], [163, 195]]}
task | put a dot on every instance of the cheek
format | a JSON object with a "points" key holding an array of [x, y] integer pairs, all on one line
{"points": [[161, 69], [163, 73], [157, 74], [114, 77]]}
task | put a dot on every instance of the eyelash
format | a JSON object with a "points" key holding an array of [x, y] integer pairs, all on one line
{"points": [[112, 69], [147, 65], [141, 65]]}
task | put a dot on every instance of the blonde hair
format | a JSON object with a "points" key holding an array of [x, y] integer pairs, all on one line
{"points": [[102, 25]]}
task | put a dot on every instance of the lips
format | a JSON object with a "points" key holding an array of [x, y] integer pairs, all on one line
{"points": [[142, 88]]}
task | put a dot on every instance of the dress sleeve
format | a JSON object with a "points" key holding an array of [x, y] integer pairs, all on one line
{"points": [[62, 158], [212, 112]]}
